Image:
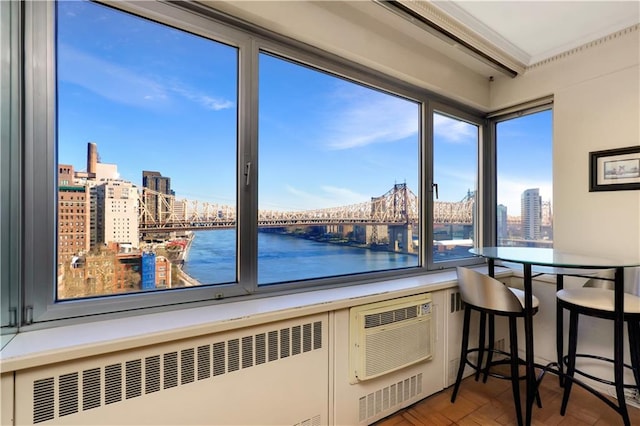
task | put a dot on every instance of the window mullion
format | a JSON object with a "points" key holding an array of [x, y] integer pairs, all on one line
{"points": [[248, 167]]}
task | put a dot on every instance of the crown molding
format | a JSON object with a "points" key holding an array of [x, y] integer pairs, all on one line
{"points": [[580, 49], [489, 42]]}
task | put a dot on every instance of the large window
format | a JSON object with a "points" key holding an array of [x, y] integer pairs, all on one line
{"points": [[173, 157], [455, 183], [146, 146], [339, 170], [524, 213]]}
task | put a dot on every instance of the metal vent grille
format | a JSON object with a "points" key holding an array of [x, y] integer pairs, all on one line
{"points": [[113, 383], [43, 401], [387, 398], [314, 421], [247, 352], [456, 303], [109, 384], [91, 388], [188, 364], [152, 374], [219, 365], [170, 370], [204, 362], [261, 348], [68, 394], [390, 317], [134, 378], [233, 360], [404, 347], [273, 345], [285, 343]]}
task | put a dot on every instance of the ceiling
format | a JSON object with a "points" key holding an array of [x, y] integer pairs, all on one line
{"points": [[532, 31]]}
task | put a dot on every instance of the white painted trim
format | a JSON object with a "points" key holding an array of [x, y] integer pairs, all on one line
{"points": [[42, 347], [448, 16]]}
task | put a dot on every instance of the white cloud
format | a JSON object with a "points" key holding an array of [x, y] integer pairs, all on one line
{"points": [[365, 117], [122, 85], [206, 101], [106, 79], [344, 196], [454, 131], [510, 192], [326, 197]]}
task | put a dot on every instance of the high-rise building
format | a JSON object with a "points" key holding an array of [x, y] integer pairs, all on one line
{"points": [[116, 205], [501, 225], [531, 211], [73, 215], [547, 214], [180, 210], [158, 197]]}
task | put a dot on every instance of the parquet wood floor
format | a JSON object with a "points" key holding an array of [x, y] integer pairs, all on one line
{"points": [[491, 404]]}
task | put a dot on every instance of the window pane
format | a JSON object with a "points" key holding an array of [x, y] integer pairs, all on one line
{"points": [[524, 181], [146, 133], [339, 170], [455, 171]]}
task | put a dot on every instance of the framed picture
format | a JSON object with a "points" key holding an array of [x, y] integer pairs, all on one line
{"points": [[614, 169]]}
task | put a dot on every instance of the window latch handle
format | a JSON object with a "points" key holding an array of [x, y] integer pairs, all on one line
{"points": [[247, 173], [434, 187]]}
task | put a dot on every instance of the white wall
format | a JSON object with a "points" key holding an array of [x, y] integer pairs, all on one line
{"points": [[596, 107], [596, 93], [366, 33]]}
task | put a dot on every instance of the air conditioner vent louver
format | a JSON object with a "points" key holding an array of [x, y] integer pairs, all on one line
{"points": [[384, 399], [390, 335], [389, 317], [134, 378]]}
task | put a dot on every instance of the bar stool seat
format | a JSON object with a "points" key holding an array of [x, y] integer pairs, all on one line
{"points": [[596, 299], [491, 298]]}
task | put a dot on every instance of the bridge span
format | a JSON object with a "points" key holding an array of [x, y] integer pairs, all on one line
{"points": [[399, 206]]}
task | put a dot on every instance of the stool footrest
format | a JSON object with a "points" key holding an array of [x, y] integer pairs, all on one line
{"points": [[565, 360]]}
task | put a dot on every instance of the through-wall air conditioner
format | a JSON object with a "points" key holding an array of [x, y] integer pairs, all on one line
{"points": [[389, 335]]}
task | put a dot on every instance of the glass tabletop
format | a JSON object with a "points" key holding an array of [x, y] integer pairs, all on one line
{"points": [[551, 257]]}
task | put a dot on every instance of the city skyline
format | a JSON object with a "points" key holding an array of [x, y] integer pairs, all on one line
{"points": [[156, 98]]}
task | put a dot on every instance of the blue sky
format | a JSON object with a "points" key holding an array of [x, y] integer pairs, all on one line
{"points": [[155, 98], [524, 148]]}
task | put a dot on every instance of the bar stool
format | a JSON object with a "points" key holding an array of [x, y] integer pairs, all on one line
{"points": [[491, 297], [596, 299]]}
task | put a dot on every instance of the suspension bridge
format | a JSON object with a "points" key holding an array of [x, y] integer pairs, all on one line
{"points": [[399, 206]]}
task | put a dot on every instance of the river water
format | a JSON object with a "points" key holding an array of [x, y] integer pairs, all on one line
{"points": [[212, 258]]}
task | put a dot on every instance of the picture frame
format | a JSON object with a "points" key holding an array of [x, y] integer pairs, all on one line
{"points": [[614, 169]]}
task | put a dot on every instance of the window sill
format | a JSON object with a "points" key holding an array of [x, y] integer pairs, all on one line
{"points": [[46, 346]]}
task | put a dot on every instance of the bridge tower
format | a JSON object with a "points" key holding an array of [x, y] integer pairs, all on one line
{"points": [[399, 205], [401, 238]]}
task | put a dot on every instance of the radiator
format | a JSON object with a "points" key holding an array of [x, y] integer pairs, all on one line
{"points": [[273, 374]]}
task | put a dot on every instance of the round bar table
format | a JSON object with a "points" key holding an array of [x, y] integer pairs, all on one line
{"points": [[535, 256]]}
